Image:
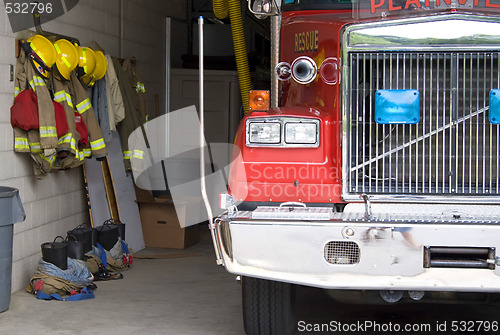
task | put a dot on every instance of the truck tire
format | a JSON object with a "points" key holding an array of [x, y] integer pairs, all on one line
{"points": [[267, 307]]}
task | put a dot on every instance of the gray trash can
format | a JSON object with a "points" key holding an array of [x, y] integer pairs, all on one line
{"points": [[11, 211]]}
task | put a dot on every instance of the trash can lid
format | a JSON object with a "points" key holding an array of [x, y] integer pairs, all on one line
{"points": [[11, 206], [8, 192]]}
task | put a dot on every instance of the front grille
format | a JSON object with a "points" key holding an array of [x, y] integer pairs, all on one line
{"points": [[342, 252], [454, 149]]}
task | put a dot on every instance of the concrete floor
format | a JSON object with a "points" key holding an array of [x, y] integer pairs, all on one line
{"points": [[187, 295]]}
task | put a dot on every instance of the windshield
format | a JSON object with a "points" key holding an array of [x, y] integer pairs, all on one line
{"points": [[316, 4]]}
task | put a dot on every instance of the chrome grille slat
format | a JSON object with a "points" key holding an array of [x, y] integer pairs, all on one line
{"points": [[463, 128], [491, 134], [452, 150], [498, 133], [477, 124], [371, 134]]}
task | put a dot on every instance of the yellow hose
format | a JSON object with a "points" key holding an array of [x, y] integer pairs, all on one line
{"points": [[222, 7]]}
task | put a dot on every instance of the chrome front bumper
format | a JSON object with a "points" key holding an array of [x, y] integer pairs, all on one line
{"points": [[391, 248]]}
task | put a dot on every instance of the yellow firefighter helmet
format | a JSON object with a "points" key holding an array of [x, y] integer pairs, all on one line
{"points": [[101, 66], [42, 54], [86, 63], [67, 57]]}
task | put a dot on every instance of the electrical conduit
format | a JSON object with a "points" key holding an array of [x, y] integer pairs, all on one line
{"points": [[221, 10]]}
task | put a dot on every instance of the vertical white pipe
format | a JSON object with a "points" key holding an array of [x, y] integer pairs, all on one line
{"points": [[168, 57], [168, 86], [120, 41], [202, 147]]}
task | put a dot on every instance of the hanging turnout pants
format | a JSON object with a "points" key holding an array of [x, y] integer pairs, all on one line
{"points": [[81, 101]]}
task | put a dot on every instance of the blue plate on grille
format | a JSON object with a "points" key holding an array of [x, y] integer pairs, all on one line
{"points": [[397, 106], [494, 108]]}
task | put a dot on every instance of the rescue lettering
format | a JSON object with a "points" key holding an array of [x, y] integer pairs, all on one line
{"points": [[393, 5], [306, 41]]}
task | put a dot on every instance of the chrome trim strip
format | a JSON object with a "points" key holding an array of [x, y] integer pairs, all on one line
{"points": [[412, 198], [383, 212], [283, 121]]}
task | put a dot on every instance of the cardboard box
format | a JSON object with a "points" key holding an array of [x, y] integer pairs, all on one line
{"points": [[143, 195], [161, 227]]}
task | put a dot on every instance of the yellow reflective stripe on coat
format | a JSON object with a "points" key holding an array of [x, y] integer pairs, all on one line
{"points": [[21, 143], [139, 87], [35, 147], [73, 144], [138, 154], [50, 159], [97, 144], [48, 131], [68, 99], [60, 96], [126, 154], [80, 155], [66, 138], [36, 81], [17, 90], [83, 106]]}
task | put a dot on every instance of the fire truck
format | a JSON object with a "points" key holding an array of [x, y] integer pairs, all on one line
{"points": [[377, 166]]}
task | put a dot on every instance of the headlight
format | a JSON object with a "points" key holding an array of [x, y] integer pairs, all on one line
{"points": [[301, 133], [264, 132], [291, 132]]}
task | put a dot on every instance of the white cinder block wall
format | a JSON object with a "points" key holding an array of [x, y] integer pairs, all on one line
{"points": [[57, 203]]}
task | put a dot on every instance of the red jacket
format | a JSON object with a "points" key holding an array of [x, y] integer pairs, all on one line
{"points": [[81, 128], [24, 113]]}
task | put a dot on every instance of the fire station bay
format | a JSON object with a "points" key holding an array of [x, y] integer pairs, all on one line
{"points": [[249, 167]]}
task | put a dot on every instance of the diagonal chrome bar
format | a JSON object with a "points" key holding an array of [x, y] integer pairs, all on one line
{"points": [[419, 139]]}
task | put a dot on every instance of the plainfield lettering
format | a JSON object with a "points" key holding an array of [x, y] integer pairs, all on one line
{"points": [[394, 5]]}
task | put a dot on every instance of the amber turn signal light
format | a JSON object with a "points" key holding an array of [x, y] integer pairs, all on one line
{"points": [[259, 100]]}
